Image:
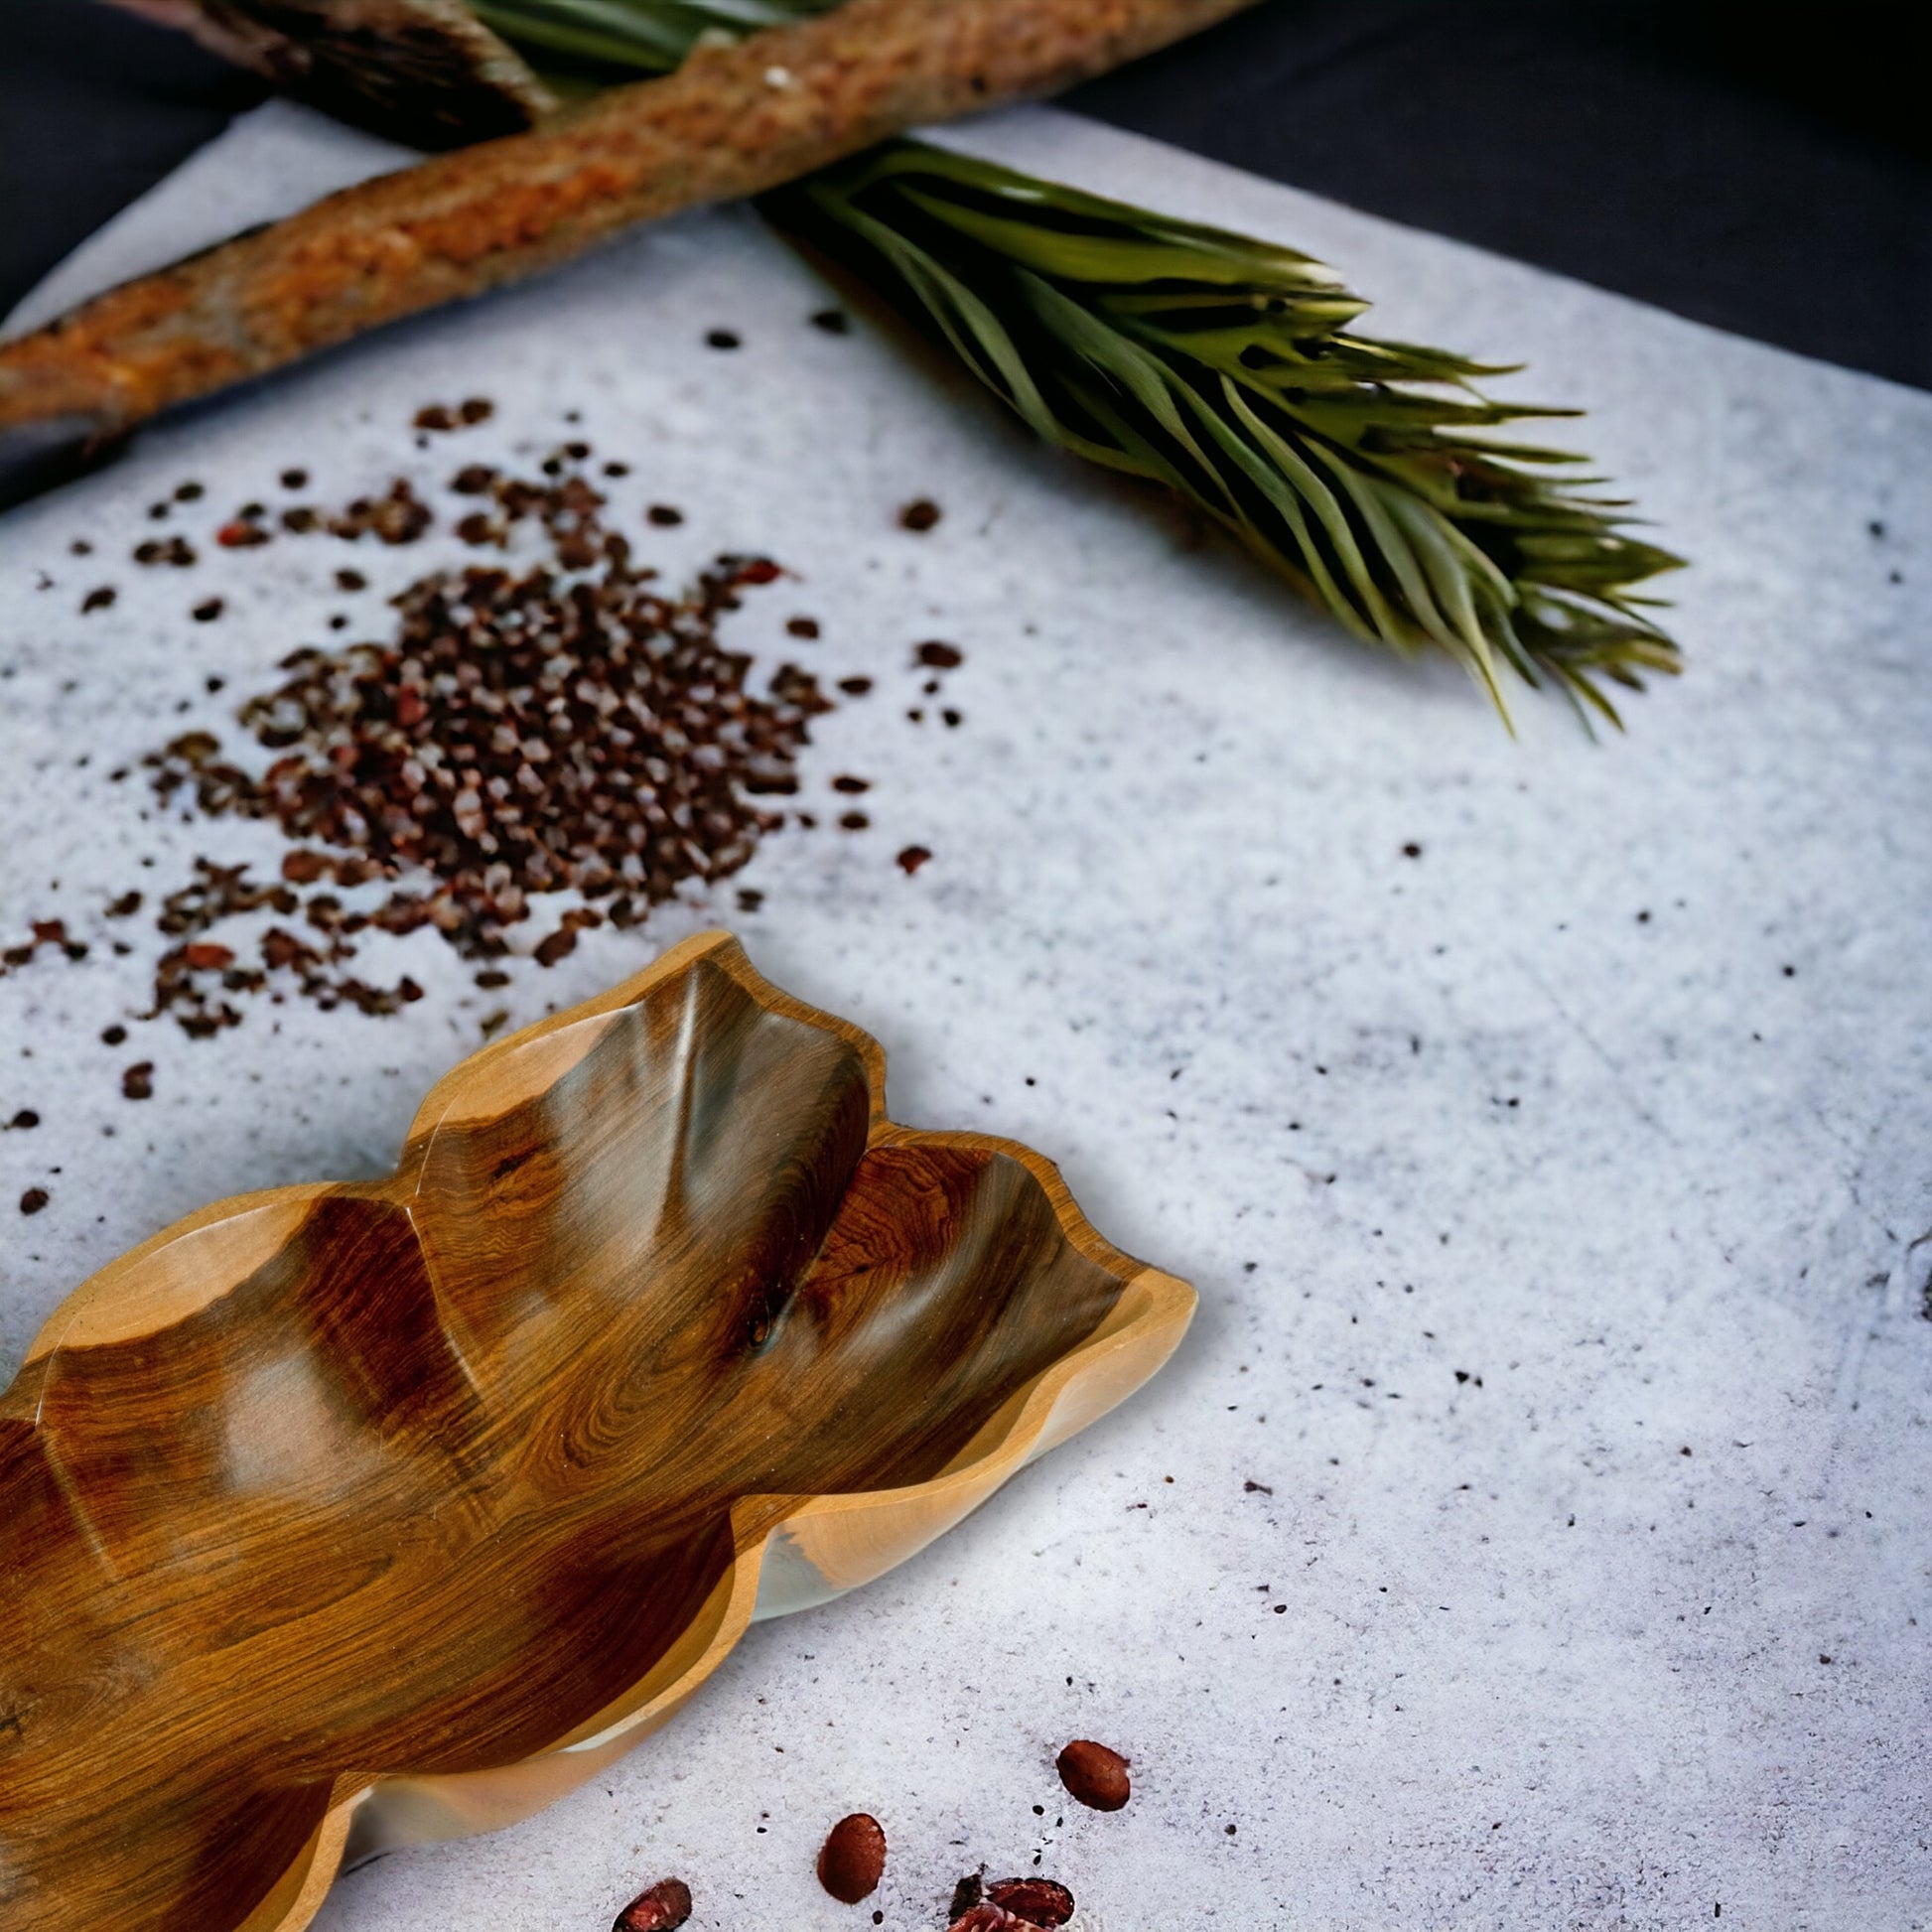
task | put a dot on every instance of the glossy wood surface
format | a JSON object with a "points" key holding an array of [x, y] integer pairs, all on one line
{"points": [[422, 1499]]}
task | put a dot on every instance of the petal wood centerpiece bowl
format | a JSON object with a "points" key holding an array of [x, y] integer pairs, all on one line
{"points": [[345, 1517]]}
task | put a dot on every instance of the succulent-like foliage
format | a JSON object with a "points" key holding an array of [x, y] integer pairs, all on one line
{"points": [[1224, 367]]}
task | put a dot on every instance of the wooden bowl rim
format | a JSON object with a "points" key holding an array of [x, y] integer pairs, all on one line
{"points": [[1153, 1307]]}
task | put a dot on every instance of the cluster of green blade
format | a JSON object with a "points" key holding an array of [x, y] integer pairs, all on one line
{"points": [[1221, 367], [648, 36]]}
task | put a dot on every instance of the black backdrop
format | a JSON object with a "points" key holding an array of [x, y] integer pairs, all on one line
{"points": [[1762, 167]]}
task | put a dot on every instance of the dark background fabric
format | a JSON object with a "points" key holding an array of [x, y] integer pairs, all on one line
{"points": [[1764, 169]]}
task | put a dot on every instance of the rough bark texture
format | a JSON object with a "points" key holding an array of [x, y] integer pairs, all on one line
{"points": [[731, 122]]}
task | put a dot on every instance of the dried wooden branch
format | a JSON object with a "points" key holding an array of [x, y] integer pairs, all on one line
{"points": [[732, 121]]}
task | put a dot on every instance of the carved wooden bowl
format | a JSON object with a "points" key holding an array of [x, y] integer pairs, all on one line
{"points": [[345, 1517]]}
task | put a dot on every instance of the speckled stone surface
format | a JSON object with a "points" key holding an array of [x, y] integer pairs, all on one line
{"points": [[1533, 1529]]}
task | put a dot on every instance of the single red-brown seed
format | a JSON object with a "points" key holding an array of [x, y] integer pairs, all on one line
{"points": [[1033, 1901], [33, 1201], [666, 1904], [137, 1083], [1095, 1775], [912, 858], [939, 656], [919, 515], [852, 1858]]}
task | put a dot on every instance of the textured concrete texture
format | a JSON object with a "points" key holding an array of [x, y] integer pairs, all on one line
{"points": [[1533, 1529]]}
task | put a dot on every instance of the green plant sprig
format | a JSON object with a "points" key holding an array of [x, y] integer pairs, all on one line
{"points": [[1365, 472], [1222, 367]]}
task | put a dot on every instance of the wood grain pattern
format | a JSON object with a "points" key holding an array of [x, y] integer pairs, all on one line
{"points": [[392, 1511]]}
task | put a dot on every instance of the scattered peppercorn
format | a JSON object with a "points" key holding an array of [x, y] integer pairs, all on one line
{"points": [[834, 321], [939, 656], [295, 479], [919, 515], [514, 737], [25, 1119], [721, 338], [803, 626], [664, 516], [208, 610], [33, 1201]]}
